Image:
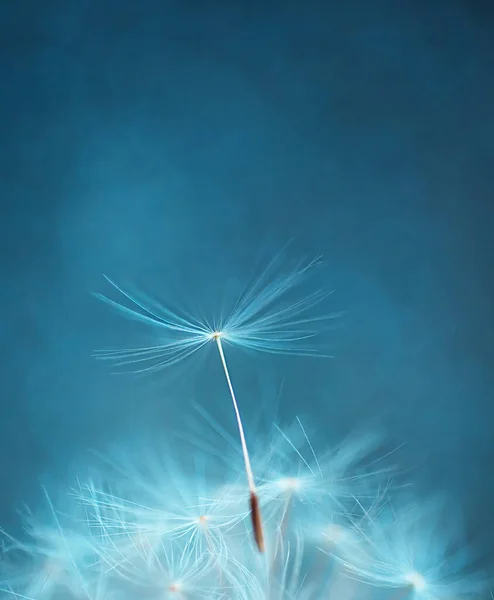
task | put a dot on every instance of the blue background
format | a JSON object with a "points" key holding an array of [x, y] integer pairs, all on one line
{"points": [[177, 144]]}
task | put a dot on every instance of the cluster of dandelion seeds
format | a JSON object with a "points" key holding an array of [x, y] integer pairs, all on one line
{"points": [[286, 517]]}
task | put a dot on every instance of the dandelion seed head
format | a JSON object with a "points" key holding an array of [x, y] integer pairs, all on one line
{"points": [[205, 551]]}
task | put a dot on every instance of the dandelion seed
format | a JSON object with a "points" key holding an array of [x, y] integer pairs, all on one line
{"points": [[160, 503], [255, 322], [416, 549], [50, 561]]}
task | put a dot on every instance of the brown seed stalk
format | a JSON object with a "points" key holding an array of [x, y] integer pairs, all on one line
{"points": [[255, 515]]}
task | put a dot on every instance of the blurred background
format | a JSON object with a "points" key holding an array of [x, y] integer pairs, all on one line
{"points": [[178, 146]]}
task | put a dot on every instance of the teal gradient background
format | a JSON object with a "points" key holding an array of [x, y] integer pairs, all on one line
{"points": [[177, 145]]}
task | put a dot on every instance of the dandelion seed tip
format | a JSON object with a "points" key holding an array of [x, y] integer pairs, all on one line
{"points": [[175, 588], [216, 335], [416, 581]]}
